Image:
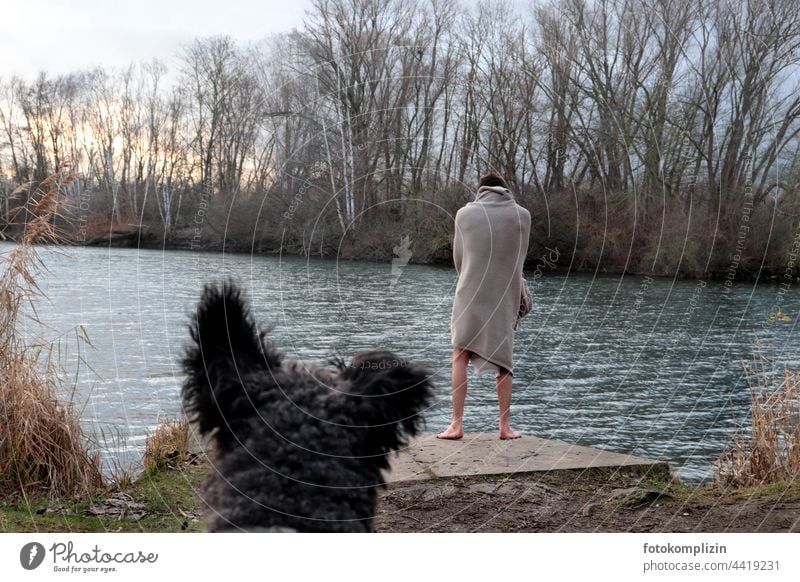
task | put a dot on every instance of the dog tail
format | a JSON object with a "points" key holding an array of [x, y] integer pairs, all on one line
{"points": [[226, 346], [391, 394]]}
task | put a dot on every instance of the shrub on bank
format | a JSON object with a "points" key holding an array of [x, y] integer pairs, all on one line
{"points": [[43, 450], [770, 452]]}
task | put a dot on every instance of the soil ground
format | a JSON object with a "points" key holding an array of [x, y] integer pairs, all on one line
{"points": [[585, 501], [593, 500]]}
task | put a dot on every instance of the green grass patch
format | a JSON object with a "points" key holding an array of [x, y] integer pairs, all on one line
{"points": [[160, 502]]}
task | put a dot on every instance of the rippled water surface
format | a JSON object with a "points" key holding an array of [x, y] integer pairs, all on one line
{"points": [[629, 364]]}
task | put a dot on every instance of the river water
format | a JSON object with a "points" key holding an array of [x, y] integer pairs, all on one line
{"points": [[629, 364]]}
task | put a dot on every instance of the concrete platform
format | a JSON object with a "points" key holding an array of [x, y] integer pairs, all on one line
{"points": [[485, 454]]}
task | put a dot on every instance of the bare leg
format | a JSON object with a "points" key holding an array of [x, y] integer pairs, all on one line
{"points": [[459, 395], [504, 399]]}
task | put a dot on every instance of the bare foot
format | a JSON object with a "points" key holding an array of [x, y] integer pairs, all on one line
{"points": [[508, 434], [452, 432]]}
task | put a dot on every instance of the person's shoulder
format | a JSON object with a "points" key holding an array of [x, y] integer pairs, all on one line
{"points": [[466, 209], [522, 210]]}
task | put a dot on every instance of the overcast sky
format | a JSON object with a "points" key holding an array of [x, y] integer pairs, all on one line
{"points": [[65, 35]]}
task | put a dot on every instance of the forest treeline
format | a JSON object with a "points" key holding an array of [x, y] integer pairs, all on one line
{"points": [[647, 136]]}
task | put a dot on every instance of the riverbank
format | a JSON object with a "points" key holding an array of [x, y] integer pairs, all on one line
{"points": [[593, 500], [539, 260], [535, 264]]}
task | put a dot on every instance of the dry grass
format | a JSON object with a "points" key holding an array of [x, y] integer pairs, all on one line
{"points": [[43, 450], [770, 453], [168, 447]]}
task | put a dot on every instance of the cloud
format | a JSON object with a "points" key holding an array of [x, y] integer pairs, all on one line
{"points": [[59, 36]]}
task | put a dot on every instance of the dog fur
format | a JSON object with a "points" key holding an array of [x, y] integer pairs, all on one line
{"points": [[295, 446]]}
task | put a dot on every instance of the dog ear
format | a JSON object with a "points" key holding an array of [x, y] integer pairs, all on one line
{"points": [[389, 394], [226, 347]]}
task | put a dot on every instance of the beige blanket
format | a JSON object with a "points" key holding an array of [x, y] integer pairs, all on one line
{"points": [[489, 248]]}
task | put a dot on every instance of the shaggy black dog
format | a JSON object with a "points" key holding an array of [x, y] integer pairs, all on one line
{"points": [[295, 447]]}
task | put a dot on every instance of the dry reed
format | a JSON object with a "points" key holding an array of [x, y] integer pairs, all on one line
{"points": [[770, 453], [43, 449], [167, 447]]}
